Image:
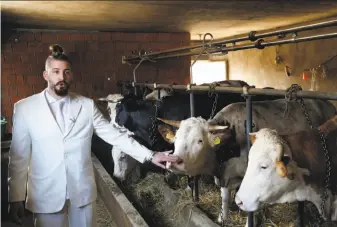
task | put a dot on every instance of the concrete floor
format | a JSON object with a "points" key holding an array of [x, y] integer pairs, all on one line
{"points": [[103, 218]]}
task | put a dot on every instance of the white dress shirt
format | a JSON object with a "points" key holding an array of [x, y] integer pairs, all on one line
{"points": [[60, 117]]}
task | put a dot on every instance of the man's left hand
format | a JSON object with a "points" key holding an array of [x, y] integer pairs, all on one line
{"points": [[160, 157]]}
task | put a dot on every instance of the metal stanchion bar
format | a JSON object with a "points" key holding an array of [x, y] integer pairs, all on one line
{"points": [[251, 91], [251, 36], [248, 130]]}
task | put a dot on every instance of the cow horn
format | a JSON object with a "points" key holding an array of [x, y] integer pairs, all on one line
{"points": [[281, 169], [102, 99], [149, 96], [170, 122], [217, 127]]}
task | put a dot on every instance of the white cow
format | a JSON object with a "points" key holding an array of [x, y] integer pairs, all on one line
{"points": [[125, 167], [289, 168], [209, 148]]}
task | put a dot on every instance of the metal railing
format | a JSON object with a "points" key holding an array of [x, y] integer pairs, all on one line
{"points": [[220, 46]]}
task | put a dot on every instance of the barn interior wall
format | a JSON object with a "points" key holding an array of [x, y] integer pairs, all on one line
{"points": [[257, 67], [96, 58]]}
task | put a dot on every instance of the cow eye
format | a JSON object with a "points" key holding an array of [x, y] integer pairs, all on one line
{"points": [[264, 167], [199, 141]]}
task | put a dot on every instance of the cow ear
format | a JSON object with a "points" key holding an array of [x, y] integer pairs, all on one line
{"points": [[293, 169], [167, 133], [252, 137], [219, 137]]}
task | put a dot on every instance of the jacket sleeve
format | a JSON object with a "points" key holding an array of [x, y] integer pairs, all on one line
{"points": [[119, 137], [19, 157]]}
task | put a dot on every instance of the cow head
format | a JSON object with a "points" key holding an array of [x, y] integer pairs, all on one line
{"points": [[194, 141], [271, 176], [126, 168], [112, 100]]}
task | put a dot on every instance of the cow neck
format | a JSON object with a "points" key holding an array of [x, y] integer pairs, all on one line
{"points": [[224, 152], [309, 154]]}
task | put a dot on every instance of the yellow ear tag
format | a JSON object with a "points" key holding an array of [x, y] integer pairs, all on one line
{"points": [[216, 141], [169, 136]]}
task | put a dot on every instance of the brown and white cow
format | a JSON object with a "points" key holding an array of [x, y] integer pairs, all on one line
{"points": [[205, 146], [290, 167]]}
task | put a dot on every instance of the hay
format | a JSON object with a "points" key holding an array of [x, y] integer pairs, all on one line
{"points": [[149, 200]]}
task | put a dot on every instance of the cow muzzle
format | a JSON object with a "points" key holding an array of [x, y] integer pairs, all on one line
{"points": [[248, 207], [177, 167]]}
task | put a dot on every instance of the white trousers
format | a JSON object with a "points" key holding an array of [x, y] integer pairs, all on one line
{"points": [[69, 216]]}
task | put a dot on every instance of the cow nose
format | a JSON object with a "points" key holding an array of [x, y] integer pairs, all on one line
{"points": [[238, 201], [168, 165]]}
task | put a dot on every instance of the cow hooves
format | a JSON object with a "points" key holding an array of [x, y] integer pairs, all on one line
{"points": [[217, 182]]}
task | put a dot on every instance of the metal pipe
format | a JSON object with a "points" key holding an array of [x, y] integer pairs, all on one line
{"points": [[196, 178], [251, 91], [251, 36], [298, 40], [261, 44], [248, 130], [300, 214]]}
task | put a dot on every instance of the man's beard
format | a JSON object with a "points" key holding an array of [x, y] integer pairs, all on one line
{"points": [[63, 90]]}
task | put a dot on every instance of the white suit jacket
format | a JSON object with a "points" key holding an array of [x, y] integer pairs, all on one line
{"points": [[45, 161]]}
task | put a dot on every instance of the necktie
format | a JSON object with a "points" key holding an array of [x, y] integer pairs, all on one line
{"points": [[60, 115]]}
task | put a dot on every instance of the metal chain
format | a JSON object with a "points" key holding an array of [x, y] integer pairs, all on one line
{"points": [[291, 94], [153, 135], [221, 210], [211, 92]]}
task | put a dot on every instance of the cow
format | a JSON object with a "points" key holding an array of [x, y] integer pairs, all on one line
{"points": [[124, 167], [137, 115], [219, 147], [283, 168]]}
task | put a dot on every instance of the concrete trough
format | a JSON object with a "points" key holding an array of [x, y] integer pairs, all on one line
{"points": [[119, 207], [125, 214]]}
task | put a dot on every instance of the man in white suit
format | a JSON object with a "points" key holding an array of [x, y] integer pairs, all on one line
{"points": [[50, 157]]}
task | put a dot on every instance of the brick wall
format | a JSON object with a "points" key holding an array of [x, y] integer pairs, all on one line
{"points": [[96, 57]]}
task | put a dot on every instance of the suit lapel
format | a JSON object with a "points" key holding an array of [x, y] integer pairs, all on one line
{"points": [[75, 107]]}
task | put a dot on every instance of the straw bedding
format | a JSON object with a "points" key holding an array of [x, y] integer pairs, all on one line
{"points": [[147, 196]]}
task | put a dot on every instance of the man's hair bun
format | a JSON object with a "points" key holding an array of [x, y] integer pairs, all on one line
{"points": [[56, 50]]}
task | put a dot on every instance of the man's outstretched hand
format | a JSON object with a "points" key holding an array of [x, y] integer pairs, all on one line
{"points": [[160, 157]]}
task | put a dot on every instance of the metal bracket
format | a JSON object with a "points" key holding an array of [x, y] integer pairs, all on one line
{"points": [[258, 44], [251, 36], [245, 92], [188, 87], [123, 60]]}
